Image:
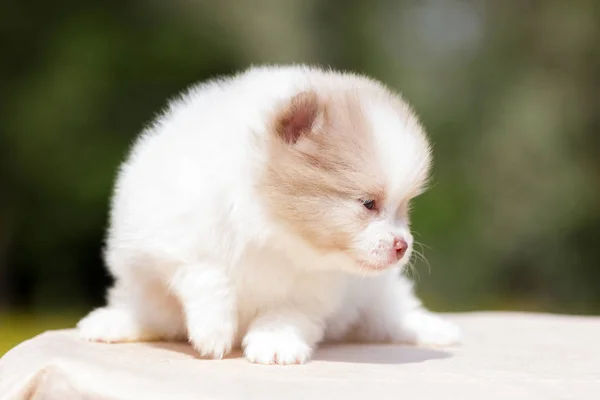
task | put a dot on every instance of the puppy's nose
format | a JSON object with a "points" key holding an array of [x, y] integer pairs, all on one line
{"points": [[400, 246]]}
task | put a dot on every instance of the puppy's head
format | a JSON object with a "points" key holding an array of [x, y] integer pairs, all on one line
{"points": [[343, 166]]}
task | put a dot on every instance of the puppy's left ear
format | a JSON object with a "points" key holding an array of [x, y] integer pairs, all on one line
{"points": [[303, 115]]}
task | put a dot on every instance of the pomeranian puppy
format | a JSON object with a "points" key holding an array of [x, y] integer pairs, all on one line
{"points": [[270, 210]]}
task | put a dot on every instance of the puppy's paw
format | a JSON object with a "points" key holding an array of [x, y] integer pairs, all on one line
{"points": [[424, 328], [282, 348], [212, 343], [112, 325]]}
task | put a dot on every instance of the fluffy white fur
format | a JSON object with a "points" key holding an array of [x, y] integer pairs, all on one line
{"points": [[196, 253]]}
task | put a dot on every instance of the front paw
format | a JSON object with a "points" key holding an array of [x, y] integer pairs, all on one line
{"points": [[212, 343], [112, 325], [424, 328], [282, 348]]}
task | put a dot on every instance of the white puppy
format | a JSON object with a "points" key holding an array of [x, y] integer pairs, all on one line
{"points": [[269, 210]]}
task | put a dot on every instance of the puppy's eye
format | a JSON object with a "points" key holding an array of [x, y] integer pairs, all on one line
{"points": [[369, 204]]}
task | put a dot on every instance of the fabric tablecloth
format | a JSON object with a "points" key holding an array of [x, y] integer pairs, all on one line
{"points": [[505, 356]]}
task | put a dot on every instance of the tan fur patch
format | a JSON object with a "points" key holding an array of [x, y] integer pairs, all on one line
{"points": [[315, 182]]}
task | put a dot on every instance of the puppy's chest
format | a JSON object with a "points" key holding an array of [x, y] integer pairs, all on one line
{"points": [[268, 280], [264, 280]]}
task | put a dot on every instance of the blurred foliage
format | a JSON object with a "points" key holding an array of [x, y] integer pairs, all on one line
{"points": [[508, 91], [16, 328]]}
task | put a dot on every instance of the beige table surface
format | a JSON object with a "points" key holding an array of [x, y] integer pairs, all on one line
{"points": [[505, 356]]}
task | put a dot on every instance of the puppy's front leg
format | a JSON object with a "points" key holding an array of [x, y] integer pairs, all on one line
{"points": [[282, 336], [208, 302], [395, 314]]}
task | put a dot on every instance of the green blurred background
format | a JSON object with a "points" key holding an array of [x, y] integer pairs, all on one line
{"points": [[508, 90]]}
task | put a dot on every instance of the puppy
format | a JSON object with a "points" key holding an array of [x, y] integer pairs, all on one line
{"points": [[269, 210]]}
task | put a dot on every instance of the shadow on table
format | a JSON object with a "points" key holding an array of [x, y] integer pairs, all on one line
{"points": [[377, 354], [346, 353]]}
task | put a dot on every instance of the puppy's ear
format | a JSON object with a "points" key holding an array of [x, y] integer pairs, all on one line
{"points": [[301, 116]]}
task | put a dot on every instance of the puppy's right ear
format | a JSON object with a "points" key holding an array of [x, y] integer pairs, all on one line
{"points": [[300, 117]]}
